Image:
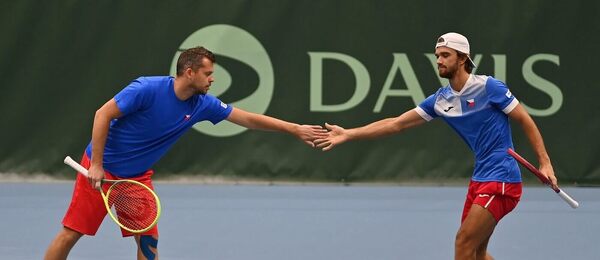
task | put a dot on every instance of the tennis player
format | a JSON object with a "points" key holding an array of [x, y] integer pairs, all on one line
{"points": [[133, 130], [478, 108]]}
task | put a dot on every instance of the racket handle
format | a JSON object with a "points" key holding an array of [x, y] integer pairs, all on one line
{"points": [[76, 166], [563, 195]]}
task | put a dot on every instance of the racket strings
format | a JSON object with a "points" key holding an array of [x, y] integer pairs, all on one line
{"points": [[134, 206]]}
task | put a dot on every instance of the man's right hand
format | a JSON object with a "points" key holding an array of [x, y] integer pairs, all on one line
{"points": [[337, 135], [95, 175]]}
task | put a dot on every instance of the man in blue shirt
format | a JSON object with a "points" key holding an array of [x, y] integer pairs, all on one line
{"points": [[478, 108], [133, 130]]}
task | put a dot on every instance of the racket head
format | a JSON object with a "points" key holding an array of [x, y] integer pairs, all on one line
{"points": [[132, 205]]}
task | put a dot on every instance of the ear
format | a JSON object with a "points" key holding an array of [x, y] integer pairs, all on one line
{"points": [[462, 60], [188, 72]]}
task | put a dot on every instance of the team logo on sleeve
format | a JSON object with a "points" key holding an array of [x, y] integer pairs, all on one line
{"points": [[471, 103], [508, 94]]}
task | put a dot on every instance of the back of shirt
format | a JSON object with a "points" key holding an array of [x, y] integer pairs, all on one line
{"points": [[153, 118], [478, 113]]}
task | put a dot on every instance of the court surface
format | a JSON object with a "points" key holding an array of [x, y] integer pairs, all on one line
{"points": [[307, 222]]}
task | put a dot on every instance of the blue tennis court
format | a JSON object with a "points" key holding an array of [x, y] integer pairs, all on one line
{"points": [[307, 222]]}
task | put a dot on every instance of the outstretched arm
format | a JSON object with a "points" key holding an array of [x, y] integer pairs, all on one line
{"points": [[306, 133], [520, 115], [380, 128]]}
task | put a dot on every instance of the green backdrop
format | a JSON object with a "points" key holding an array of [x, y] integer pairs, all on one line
{"points": [[342, 62]]}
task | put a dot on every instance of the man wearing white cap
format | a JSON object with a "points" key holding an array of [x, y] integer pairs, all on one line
{"points": [[478, 108]]}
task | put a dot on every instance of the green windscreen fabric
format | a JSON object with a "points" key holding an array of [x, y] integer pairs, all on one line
{"points": [[309, 62]]}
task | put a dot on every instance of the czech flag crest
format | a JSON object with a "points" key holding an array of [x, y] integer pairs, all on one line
{"points": [[471, 103]]}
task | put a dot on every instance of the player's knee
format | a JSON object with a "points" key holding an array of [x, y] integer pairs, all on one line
{"points": [[482, 253], [484, 256], [148, 245], [464, 241], [69, 236]]}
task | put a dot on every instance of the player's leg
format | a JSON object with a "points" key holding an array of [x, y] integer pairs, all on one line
{"points": [[486, 204], [147, 247], [83, 217], [475, 230], [62, 244], [482, 253], [147, 243]]}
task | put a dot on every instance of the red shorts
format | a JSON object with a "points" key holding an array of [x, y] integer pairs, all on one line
{"points": [[499, 198], [87, 210]]}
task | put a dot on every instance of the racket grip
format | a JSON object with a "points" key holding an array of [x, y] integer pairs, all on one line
{"points": [[76, 166], [563, 195]]}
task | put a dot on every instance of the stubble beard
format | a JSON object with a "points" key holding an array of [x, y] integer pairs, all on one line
{"points": [[450, 72], [446, 75], [201, 90]]}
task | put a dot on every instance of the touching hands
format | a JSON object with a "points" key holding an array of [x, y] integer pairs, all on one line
{"points": [[336, 135], [309, 133]]}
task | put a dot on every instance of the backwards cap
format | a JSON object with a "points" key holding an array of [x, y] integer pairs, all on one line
{"points": [[457, 42]]}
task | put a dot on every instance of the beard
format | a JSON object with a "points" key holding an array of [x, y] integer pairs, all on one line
{"points": [[201, 91], [448, 73]]}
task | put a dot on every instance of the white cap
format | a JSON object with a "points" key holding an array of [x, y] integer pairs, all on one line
{"points": [[457, 42]]}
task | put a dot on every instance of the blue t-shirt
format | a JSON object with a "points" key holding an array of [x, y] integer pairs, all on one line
{"points": [[478, 113], [153, 118]]}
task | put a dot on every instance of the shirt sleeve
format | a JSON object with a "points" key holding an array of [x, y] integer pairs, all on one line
{"points": [[134, 97], [426, 108], [217, 111], [500, 96]]}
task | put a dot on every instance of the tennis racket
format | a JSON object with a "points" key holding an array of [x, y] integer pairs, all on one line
{"points": [[574, 204], [131, 204]]}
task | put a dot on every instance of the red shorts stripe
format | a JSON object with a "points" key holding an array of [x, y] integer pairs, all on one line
{"points": [[499, 198], [87, 211]]}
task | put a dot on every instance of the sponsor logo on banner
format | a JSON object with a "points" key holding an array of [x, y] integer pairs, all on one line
{"points": [[234, 43]]}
